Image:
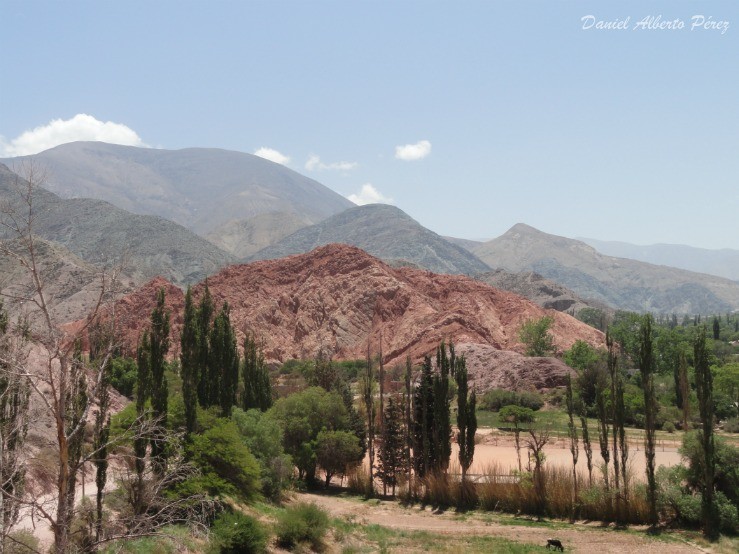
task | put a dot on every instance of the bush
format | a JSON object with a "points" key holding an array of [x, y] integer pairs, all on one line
{"points": [[234, 532], [225, 463], [669, 427], [495, 399], [21, 542], [732, 425], [123, 375], [302, 523]]}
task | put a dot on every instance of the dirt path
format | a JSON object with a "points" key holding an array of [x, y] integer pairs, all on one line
{"points": [[576, 538]]}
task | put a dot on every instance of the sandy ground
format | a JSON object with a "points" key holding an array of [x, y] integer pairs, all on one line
{"points": [[501, 451], [576, 538]]}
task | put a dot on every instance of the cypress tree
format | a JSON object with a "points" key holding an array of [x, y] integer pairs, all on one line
{"points": [[100, 447], [716, 328], [574, 443], [204, 321], [257, 387], [223, 362], [423, 421], [646, 366], [407, 426], [143, 387], [189, 362], [442, 414], [367, 386], [704, 390], [684, 387], [466, 417], [158, 348], [391, 454]]}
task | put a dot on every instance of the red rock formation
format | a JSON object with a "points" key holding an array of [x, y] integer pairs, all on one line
{"points": [[340, 297]]}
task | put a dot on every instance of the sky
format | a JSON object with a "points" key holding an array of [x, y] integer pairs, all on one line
{"points": [[471, 116]]}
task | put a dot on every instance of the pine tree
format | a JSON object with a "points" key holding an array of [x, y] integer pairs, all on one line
{"points": [[704, 390], [646, 366], [391, 454], [204, 322], [158, 348], [466, 417], [189, 362]]}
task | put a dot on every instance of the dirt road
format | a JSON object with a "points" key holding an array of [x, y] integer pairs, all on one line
{"points": [[576, 538]]}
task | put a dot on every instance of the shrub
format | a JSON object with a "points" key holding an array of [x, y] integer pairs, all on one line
{"points": [[302, 523], [123, 375], [732, 425], [669, 427], [21, 542], [225, 463], [495, 399], [234, 532]]}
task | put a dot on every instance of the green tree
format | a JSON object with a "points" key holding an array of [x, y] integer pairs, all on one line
{"points": [[535, 335], [204, 321], [302, 416], [517, 416], [726, 382], [100, 446], [442, 413], [257, 387], [424, 449], [581, 356], [646, 367], [704, 390], [716, 328], [336, 451], [141, 440], [392, 449], [189, 362], [466, 418], [574, 442], [158, 348], [224, 362]]}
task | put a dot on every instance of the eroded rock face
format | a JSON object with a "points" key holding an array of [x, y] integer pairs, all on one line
{"points": [[490, 368], [339, 297]]}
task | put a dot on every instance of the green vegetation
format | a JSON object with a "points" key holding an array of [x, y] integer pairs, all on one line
{"points": [[302, 524], [236, 533], [535, 335]]}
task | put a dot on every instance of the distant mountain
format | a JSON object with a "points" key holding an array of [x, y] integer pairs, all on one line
{"points": [[248, 236], [100, 233], [202, 189], [540, 290], [467, 244], [341, 298], [619, 282], [383, 231], [722, 263]]}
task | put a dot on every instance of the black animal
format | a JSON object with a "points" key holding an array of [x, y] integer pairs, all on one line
{"points": [[555, 544]]}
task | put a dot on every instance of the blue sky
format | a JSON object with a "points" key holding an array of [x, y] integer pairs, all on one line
{"points": [[628, 135]]}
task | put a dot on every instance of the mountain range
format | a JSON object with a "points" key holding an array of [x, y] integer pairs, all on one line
{"points": [[202, 189], [618, 282], [722, 263]]}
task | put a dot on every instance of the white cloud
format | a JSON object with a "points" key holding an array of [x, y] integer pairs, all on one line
{"points": [[272, 155], [314, 163], [411, 152], [62, 131], [369, 195]]}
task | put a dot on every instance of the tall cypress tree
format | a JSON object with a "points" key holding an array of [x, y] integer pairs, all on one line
{"points": [[704, 390], [424, 449], [204, 322], [143, 392], [367, 386], [224, 362], [442, 412], [257, 387], [390, 463], [158, 348], [189, 362], [466, 417], [646, 366], [100, 447]]}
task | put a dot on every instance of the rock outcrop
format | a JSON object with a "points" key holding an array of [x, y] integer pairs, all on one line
{"points": [[339, 297]]}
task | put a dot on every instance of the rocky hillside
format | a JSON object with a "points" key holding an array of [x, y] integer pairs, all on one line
{"points": [[246, 237], [385, 232], [102, 234], [490, 368], [540, 290], [199, 188], [340, 297], [621, 283]]}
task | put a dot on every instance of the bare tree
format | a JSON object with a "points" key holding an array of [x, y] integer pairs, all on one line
{"points": [[65, 387], [538, 438]]}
